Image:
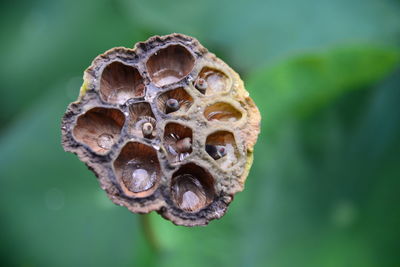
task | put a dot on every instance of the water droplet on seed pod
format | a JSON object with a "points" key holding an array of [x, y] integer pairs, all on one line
{"points": [[137, 178], [189, 194], [105, 141]]}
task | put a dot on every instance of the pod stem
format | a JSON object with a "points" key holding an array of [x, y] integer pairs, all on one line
{"points": [[149, 233]]}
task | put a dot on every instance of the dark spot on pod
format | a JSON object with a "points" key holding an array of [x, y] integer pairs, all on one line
{"points": [[216, 151]]}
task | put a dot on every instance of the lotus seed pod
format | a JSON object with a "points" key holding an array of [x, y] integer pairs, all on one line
{"points": [[166, 127]]}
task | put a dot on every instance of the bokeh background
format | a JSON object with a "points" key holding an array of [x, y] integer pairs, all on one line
{"points": [[324, 189]]}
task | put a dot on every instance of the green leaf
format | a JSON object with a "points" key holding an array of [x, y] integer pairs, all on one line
{"points": [[298, 86], [252, 33]]}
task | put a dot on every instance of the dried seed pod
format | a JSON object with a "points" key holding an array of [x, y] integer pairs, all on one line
{"points": [[166, 127]]}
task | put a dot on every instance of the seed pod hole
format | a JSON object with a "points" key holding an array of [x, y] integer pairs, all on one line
{"points": [[137, 169], [120, 82], [143, 122], [174, 100], [178, 141], [221, 146], [222, 111], [99, 128], [211, 81], [192, 188], [169, 65]]}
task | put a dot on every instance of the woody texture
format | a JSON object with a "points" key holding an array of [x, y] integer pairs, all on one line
{"points": [[166, 127]]}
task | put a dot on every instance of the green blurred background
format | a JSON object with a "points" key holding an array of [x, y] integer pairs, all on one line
{"points": [[324, 189]]}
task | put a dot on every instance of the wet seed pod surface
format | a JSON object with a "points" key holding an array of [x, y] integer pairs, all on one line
{"points": [[166, 127]]}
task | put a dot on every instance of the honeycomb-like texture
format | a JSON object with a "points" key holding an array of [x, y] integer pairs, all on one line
{"points": [[166, 126]]}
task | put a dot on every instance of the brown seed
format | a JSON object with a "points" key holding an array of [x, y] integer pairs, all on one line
{"points": [[147, 130], [184, 145], [201, 85], [172, 105]]}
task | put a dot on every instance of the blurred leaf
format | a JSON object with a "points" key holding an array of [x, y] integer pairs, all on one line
{"points": [[251, 33], [298, 86]]}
